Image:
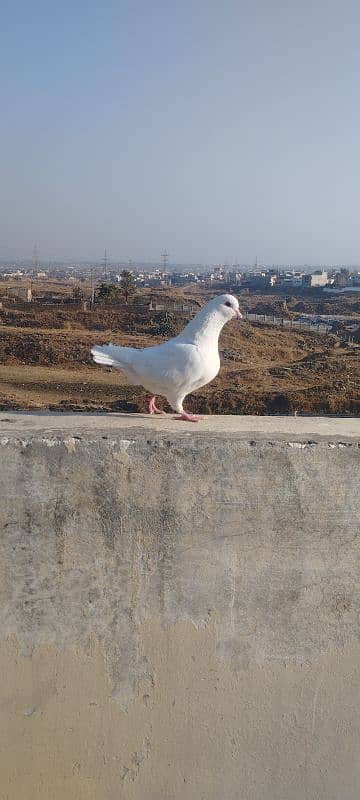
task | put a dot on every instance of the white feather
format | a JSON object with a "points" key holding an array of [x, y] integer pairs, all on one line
{"points": [[101, 357], [181, 365]]}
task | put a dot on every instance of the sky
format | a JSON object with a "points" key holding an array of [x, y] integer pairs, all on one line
{"points": [[220, 131]]}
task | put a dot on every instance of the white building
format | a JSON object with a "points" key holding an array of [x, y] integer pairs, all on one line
{"points": [[20, 293], [316, 279]]}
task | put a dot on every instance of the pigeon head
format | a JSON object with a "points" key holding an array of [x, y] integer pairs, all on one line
{"points": [[210, 320], [227, 306]]}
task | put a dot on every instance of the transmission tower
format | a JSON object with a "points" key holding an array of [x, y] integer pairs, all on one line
{"points": [[165, 262], [105, 264], [92, 288], [35, 257]]}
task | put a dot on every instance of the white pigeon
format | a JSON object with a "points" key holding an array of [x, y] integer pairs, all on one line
{"points": [[181, 365]]}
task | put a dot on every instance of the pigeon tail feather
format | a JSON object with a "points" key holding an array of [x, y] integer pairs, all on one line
{"points": [[100, 357], [112, 356]]}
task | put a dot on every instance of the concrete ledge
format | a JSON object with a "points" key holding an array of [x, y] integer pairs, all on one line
{"points": [[179, 608], [277, 427]]}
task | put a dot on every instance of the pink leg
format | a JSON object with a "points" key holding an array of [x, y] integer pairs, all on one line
{"points": [[189, 417], [152, 407]]}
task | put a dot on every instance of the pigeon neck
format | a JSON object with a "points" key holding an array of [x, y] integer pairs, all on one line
{"points": [[205, 328]]}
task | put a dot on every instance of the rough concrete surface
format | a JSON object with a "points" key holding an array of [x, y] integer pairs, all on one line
{"points": [[179, 608]]}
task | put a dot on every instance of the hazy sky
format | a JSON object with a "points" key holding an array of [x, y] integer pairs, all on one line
{"points": [[218, 130]]}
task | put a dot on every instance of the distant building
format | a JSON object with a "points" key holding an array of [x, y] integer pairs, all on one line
{"points": [[181, 279], [234, 277], [316, 279], [16, 274], [260, 280], [20, 293], [291, 278]]}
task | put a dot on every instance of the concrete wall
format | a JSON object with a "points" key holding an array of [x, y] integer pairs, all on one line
{"points": [[179, 608]]}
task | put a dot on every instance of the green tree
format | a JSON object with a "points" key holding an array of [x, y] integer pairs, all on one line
{"points": [[108, 293], [127, 285]]}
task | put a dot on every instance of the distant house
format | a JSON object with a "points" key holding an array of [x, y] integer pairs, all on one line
{"points": [[20, 293], [260, 280], [316, 279]]}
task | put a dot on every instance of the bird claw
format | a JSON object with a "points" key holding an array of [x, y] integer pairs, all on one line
{"points": [[188, 417]]}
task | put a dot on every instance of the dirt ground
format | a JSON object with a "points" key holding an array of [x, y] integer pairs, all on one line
{"points": [[45, 362]]}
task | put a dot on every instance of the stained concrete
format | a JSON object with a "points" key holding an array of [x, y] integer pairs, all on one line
{"points": [[179, 608]]}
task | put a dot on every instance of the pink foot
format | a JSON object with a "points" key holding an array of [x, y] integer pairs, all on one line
{"points": [[152, 407], [189, 417]]}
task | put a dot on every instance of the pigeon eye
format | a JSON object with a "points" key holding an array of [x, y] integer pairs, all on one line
{"points": [[228, 304]]}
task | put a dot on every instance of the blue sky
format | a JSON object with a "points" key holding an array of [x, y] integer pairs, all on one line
{"points": [[217, 130]]}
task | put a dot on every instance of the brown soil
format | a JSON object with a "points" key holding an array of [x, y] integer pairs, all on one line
{"points": [[45, 361], [264, 370]]}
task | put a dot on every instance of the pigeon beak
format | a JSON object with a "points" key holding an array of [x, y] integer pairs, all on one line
{"points": [[238, 314]]}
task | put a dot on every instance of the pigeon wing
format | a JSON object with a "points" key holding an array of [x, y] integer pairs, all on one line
{"points": [[172, 367]]}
